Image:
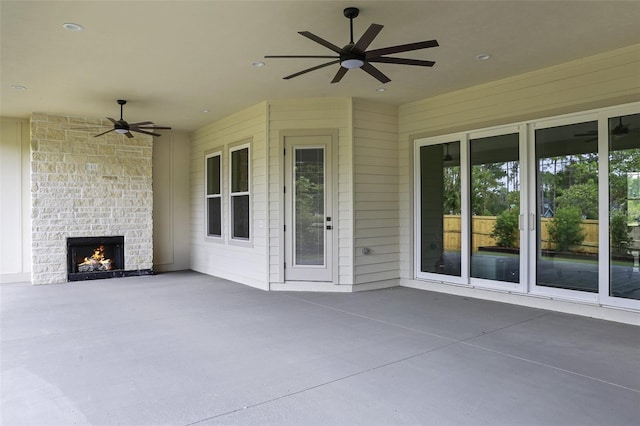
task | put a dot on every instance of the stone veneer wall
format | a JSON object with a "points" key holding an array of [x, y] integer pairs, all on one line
{"points": [[82, 186]]}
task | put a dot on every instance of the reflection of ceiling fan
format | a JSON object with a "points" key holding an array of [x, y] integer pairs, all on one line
{"points": [[619, 130], [355, 55], [447, 156], [122, 127]]}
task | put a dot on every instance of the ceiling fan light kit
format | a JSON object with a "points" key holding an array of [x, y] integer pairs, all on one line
{"points": [[355, 54]]}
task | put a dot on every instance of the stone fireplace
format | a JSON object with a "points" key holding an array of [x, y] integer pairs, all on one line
{"points": [[87, 187]]}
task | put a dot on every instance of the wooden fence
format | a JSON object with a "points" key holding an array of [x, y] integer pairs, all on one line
{"points": [[482, 227]]}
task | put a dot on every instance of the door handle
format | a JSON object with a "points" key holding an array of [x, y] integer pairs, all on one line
{"points": [[532, 222]]}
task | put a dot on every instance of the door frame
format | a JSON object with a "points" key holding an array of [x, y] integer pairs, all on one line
{"points": [[331, 170]]}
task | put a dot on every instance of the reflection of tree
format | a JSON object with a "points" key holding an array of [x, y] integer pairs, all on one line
{"points": [[569, 181], [624, 183], [493, 186], [309, 196], [584, 196], [451, 194], [565, 230]]}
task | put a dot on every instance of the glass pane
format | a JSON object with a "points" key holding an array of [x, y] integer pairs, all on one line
{"points": [[440, 239], [213, 175], [309, 206], [567, 207], [214, 217], [240, 170], [624, 206], [240, 216], [495, 208]]}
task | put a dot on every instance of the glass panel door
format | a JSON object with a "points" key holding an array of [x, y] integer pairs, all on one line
{"points": [[495, 208], [566, 158], [624, 206], [440, 209], [309, 214]]}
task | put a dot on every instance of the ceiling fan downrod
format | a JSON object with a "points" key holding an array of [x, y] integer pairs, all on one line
{"points": [[121, 102], [351, 13]]}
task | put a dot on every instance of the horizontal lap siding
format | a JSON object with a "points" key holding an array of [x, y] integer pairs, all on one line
{"points": [[376, 208], [244, 264], [603, 80], [310, 114]]}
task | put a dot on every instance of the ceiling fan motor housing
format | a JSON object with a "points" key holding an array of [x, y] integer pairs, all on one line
{"points": [[350, 57]]}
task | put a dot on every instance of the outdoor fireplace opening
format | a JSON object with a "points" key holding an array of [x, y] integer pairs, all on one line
{"points": [[95, 257]]}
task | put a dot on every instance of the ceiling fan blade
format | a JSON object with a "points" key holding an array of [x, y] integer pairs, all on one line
{"points": [[91, 127], [104, 133], [311, 69], [301, 56], [341, 72], [403, 61], [150, 128], [375, 72], [114, 121], [145, 132], [141, 123], [321, 41], [367, 37], [376, 53], [129, 135]]}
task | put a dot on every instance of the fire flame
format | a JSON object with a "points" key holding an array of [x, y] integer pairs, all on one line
{"points": [[96, 262]]}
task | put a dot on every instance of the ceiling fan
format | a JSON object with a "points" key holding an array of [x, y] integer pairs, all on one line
{"points": [[122, 127], [355, 55]]}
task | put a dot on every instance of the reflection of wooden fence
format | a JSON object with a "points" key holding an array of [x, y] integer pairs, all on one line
{"points": [[483, 226]]}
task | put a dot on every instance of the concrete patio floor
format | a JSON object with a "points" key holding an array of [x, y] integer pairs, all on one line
{"points": [[185, 348]]}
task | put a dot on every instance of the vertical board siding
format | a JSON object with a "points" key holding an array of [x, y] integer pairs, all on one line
{"points": [[244, 263], [171, 202], [15, 211], [376, 201], [310, 114], [602, 80]]}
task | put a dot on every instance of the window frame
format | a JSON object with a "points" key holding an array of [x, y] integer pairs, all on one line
{"points": [[233, 239], [219, 195]]}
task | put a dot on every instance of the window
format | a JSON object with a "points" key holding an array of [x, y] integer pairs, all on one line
{"points": [[213, 173], [239, 193]]}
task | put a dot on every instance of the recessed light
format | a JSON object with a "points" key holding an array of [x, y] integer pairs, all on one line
{"points": [[18, 87], [380, 89], [72, 27], [205, 110], [483, 57], [257, 64]]}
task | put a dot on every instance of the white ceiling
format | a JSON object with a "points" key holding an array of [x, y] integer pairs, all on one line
{"points": [[173, 59]]}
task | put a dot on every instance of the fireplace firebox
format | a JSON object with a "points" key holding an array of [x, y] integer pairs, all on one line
{"points": [[91, 258]]}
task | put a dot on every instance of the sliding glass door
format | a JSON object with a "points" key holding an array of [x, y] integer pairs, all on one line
{"points": [[549, 207], [566, 206], [624, 206], [495, 207], [439, 192]]}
